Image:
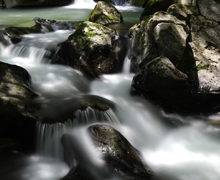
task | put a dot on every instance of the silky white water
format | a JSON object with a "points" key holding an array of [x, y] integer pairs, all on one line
{"points": [[191, 152]]}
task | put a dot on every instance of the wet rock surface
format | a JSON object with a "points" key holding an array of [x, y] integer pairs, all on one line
{"points": [[92, 49], [190, 41], [120, 157], [17, 121]]}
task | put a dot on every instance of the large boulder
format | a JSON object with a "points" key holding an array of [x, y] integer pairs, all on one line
{"points": [[119, 154], [17, 120], [122, 160], [190, 41], [13, 3], [92, 49], [104, 14]]}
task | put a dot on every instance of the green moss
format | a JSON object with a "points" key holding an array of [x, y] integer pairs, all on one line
{"points": [[202, 67], [182, 6], [197, 59]]}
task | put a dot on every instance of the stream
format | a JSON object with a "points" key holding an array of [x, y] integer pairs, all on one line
{"points": [[190, 152]]}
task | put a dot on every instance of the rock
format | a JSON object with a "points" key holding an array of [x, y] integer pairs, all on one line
{"points": [[92, 49], [191, 42], [104, 14], [16, 3], [48, 25], [17, 120], [153, 6], [209, 9], [206, 48], [182, 11], [119, 154], [63, 109], [122, 160], [161, 82], [41, 26], [161, 34]]}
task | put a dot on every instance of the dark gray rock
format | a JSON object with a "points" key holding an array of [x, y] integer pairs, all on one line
{"points": [[17, 120], [92, 49], [122, 160]]}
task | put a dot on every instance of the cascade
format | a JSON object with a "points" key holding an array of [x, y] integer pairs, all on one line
{"points": [[49, 135], [188, 152]]}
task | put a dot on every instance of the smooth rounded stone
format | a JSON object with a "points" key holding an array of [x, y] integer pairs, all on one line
{"points": [[92, 49], [17, 120], [104, 14], [209, 9], [119, 154]]}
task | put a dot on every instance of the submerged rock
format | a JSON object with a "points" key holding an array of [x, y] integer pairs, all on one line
{"points": [[105, 14], [17, 121], [92, 49], [122, 160], [41, 26]]}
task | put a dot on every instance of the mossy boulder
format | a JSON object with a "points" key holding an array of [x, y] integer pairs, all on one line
{"points": [[15, 3], [17, 120], [104, 14], [93, 49], [153, 6]]}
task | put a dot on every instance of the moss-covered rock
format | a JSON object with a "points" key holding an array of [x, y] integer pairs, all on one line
{"points": [[104, 14], [92, 49], [17, 107], [153, 6]]}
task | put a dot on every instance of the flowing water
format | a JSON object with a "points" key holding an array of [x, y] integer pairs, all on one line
{"points": [[191, 152]]}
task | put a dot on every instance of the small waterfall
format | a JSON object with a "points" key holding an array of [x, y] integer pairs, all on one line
{"points": [[32, 54], [49, 135], [127, 65], [86, 4]]}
